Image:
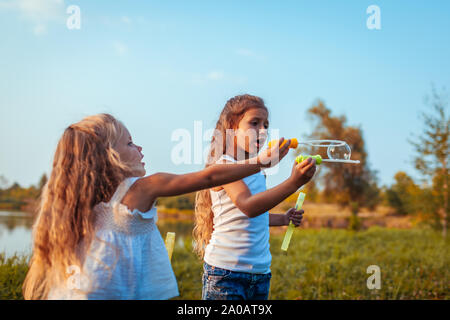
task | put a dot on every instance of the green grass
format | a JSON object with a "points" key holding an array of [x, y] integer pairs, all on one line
{"points": [[320, 264], [12, 273], [332, 264]]}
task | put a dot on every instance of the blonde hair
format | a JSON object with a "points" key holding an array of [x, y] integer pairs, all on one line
{"points": [[86, 171], [232, 113]]}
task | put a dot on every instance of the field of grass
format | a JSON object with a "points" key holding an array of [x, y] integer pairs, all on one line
{"points": [[332, 264], [320, 264]]}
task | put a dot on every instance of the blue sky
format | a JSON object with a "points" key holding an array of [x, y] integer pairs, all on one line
{"points": [[160, 66]]}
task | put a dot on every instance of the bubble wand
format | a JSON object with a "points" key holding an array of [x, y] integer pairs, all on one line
{"points": [[290, 228], [337, 151], [170, 242]]}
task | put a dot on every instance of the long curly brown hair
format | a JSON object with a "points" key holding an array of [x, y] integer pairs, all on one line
{"points": [[229, 118], [86, 171]]}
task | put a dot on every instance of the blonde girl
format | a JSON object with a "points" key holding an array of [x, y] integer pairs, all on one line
{"points": [[232, 221], [95, 235]]}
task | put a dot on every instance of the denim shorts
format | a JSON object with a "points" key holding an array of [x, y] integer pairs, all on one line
{"points": [[222, 284]]}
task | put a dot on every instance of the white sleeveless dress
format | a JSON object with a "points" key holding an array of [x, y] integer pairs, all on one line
{"points": [[127, 260]]}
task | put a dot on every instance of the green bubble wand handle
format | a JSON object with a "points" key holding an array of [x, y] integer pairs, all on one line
{"points": [[290, 228], [170, 242]]}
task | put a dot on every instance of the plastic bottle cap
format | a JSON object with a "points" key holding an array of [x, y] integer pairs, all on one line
{"points": [[292, 145]]}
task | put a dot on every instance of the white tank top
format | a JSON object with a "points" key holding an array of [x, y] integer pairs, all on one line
{"points": [[239, 243]]}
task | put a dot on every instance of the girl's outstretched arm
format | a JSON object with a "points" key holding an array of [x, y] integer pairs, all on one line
{"points": [[253, 205], [144, 192]]}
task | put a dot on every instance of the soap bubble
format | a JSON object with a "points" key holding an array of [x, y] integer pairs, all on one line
{"points": [[339, 152]]}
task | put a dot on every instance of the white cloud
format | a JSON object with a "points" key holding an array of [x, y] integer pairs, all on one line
{"points": [[202, 78], [249, 53], [39, 29], [6, 5], [121, 21], [42, 9], [120, 48], [37, 12], [215, 75], [245, 52], [125, 19], [141, 20]]}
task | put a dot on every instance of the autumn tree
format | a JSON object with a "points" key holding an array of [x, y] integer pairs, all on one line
{"points": [[404, 195], [348, 184], [432, 152]]}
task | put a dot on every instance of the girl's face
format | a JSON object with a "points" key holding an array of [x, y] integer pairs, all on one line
{"points": [[252, 131], [130, 154]]}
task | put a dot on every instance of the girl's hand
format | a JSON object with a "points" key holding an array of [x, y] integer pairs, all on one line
{"points": [[302, 172], [271, 156], [294, 216]]}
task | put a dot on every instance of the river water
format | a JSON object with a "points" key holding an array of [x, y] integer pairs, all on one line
{"points": [[16, 226], [15, 232]]}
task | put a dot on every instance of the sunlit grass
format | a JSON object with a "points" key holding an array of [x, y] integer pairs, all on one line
{"points": [[332, 264], [320, 264]]}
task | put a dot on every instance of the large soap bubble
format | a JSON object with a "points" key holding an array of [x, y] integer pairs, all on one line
{"points": [[339, 152]]}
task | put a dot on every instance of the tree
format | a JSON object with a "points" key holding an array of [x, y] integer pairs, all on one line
{"points": [[404, 195], [350, 185], [182, 202], [432, 148]]}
